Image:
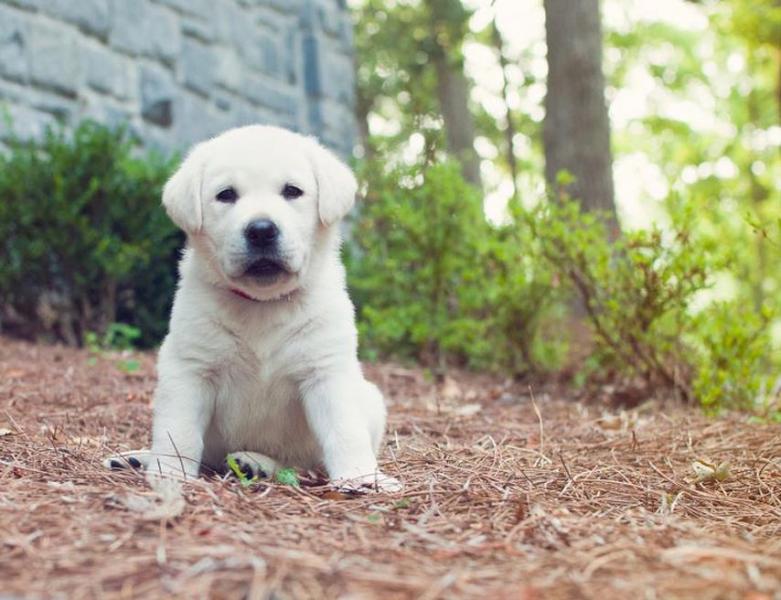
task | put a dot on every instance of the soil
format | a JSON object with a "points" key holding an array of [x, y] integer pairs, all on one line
{"points": [[510, 492]]}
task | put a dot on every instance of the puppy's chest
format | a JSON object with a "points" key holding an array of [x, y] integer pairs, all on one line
{"points": [[256, 374]]}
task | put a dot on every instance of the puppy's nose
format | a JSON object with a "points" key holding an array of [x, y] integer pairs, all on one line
{"points": [[261, 233]]}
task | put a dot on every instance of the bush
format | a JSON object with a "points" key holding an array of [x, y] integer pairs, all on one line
{"points": [[85, 241], [733, 359], [639, 294], [434, 281]]}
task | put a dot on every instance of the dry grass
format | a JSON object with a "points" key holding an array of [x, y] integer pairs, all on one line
{"points": [[501, 500]]}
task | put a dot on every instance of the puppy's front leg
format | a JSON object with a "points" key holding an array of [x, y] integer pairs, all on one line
{"points": [[184, 403], [341, 425]]}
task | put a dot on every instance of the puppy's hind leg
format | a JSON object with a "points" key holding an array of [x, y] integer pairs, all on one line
{"points": [[252, 464], [135, 459]]}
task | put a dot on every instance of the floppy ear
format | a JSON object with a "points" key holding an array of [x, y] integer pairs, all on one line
{"points": [[336, 185], [182, 193]]}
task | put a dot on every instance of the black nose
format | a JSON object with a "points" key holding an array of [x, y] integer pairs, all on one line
{"points": [[261, 233]]}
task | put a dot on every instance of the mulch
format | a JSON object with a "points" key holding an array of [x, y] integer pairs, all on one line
{"points": [[510, 492]]}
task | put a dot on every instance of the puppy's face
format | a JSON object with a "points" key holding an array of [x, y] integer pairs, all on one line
{"points": [[254, 201]]}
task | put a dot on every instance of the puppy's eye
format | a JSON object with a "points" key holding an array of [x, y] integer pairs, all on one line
{"points": [[229, 194], [290, 192]]}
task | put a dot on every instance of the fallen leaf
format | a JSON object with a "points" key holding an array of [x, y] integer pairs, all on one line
{"points": [[467, 410], [334, 495], [450, 389], [610, 422], [402, 504], [61, 485], [95, 442], [622, 421], [287, 477], [4, 431], [521, 511], [705, 471]]}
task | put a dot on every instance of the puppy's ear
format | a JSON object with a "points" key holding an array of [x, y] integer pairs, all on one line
{"points": [[182, 193], [336, 184]]}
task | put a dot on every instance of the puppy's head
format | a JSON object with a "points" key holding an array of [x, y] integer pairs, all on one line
{"points": [[257, 201]]}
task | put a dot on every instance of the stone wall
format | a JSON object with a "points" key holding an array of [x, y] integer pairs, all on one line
{"points": [[178, 71]]}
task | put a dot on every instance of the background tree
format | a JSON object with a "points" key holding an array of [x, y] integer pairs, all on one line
{"points": [[577, 129], [411, 80], [509, 127], [449, 25], [709, 126]]}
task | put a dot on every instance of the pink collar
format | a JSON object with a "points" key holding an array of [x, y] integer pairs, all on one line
{"points": [[244, 295]]}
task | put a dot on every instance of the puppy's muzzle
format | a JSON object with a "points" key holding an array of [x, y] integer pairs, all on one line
{"points": [[262, 237]]}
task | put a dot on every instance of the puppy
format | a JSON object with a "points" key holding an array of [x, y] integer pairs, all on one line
{"points": [[261, 359]]}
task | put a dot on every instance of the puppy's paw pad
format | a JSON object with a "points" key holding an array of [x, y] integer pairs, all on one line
{"points": [[138, 459], [252, 464], [376, 482]]}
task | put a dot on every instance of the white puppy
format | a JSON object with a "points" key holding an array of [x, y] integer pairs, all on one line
{"points": [[261, 356]]}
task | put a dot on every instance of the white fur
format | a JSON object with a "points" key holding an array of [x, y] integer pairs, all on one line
{"points": [[278, 374]]}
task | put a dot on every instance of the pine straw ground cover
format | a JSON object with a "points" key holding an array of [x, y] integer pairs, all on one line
{"points": [[500, 501]]}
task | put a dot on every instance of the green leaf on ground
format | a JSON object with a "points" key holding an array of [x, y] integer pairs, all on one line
{"points": [[233, 464], [287, 477]]}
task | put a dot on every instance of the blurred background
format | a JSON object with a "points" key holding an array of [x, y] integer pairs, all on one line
{"points": [[567, 190]]}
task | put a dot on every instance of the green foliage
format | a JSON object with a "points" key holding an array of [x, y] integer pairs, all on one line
{"points": [[639, 295], [85, 242], [119, 337], [733, 357], [397, 45], [724, 166], [287, 476], [434, 281]]}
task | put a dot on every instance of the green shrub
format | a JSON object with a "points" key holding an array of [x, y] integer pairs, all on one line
{"points": [[434, 281], [733, 359], [638, 295], [84, 239]]}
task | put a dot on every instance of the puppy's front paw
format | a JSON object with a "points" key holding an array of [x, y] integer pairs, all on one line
{"points": [[252, 464], [374, 482], [135, 459]]}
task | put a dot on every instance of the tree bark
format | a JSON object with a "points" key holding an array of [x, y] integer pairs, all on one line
{"points": [[453, 94], [363, 108], [509, 131], [576, 131], [453, 88]]}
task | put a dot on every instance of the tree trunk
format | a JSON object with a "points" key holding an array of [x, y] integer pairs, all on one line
{"points": [[453, 94], [576, 131], [509, 131], [452, 86], [362, 111]]}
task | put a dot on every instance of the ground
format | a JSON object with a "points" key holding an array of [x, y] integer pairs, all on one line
{"points": [[511, 492]]}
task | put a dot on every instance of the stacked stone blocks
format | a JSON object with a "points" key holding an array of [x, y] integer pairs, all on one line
{"points": [[178, 71]]}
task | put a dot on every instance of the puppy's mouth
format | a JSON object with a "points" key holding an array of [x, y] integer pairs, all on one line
{"points": [[265, 269]]}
